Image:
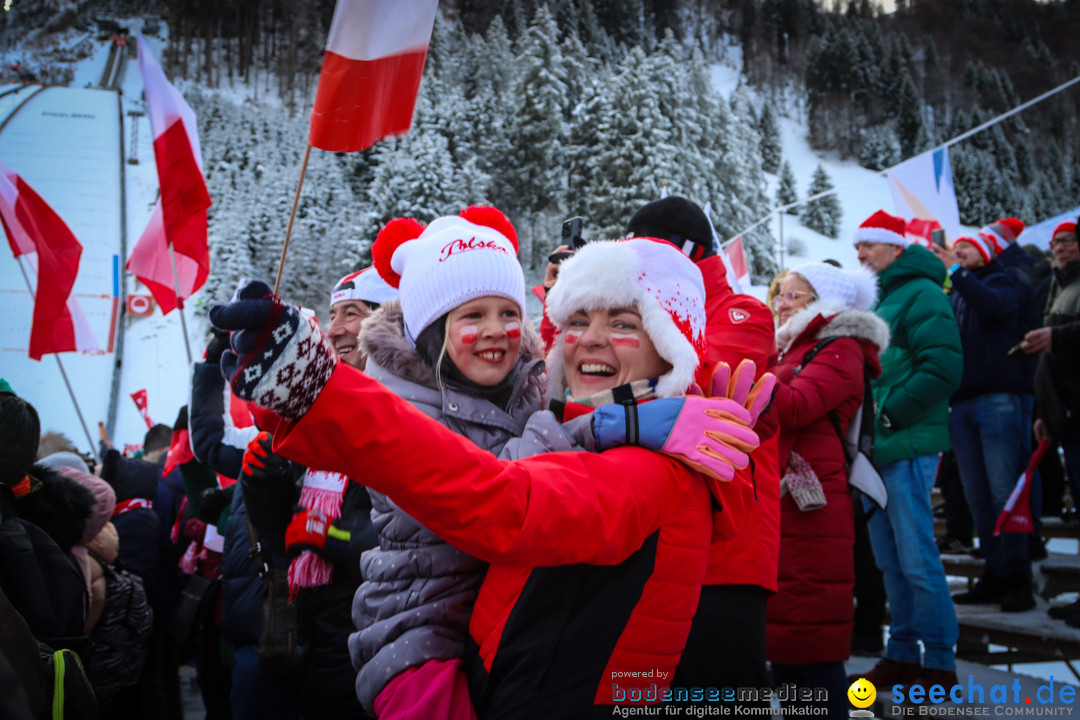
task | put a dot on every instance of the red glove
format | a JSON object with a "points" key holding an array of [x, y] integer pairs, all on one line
{"points": [[310, 530]]}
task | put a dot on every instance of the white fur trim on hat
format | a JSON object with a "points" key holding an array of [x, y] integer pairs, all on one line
{"points": [[881, 227], [452, 262], [363, 285], [880, 235], [650, 275], [840, 289]]}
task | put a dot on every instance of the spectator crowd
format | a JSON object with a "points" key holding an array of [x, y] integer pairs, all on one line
{"points": [[434, 509]]}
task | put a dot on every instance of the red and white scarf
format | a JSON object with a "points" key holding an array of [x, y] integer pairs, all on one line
{"points": [[322, 491]]}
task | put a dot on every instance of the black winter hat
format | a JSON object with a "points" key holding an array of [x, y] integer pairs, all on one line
{"points": [[20, 431], [678, 221]]}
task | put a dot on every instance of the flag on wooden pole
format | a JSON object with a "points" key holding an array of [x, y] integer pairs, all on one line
{"points": [[35, 231], [371, 72]]}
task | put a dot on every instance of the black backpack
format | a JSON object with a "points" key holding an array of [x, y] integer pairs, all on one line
{"points": [[121, 637]]}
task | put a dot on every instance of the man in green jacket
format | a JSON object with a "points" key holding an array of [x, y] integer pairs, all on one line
{"points": [[919, 372]]}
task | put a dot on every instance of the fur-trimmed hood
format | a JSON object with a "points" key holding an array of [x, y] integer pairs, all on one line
{"points": [[382, 339], [858, 324]]}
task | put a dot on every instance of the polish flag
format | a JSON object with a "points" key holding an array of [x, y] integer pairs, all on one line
{"points": [[1016, 516], [179, 217], [52, 251], [371, 72], [139, 398]]}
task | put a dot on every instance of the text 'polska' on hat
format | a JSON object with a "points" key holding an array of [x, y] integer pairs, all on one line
{"points": [[455, 259]]}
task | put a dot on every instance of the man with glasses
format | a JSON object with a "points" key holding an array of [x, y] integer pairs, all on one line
{"points": [[1057, 380], [919, 372]]}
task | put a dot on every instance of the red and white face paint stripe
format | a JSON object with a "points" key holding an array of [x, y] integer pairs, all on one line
{"points": [[469, 334], [513, 330]]}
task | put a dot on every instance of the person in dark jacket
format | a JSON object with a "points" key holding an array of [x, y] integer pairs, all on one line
{"points": [[325, 579], [218, 442], [135, 481], [1003, 235], [43, 583], [1057, 382], [986, 417], [810, 619]]}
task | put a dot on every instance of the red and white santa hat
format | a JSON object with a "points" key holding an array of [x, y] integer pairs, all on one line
{"points": [[981, 243], [453, 260], [365, 285], [1002, 233], [881, 227], [650, 275]]}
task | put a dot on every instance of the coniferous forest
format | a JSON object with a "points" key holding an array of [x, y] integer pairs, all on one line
{"points": [[590, 107]]}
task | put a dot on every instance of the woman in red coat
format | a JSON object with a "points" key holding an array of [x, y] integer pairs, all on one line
{"points": [[810, 617]]}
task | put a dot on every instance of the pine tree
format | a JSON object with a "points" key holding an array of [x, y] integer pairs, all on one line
{"points": [[533, 181], [786, 192], [770, 140], [822, 215], [909, 122]]}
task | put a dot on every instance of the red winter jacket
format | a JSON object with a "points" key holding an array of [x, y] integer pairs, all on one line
{"points": [[596, 559], [810, 618], [738, 327]]}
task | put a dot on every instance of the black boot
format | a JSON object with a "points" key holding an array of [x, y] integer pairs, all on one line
{"points": [[989, 589], [1060, 612], [1018, 598]]}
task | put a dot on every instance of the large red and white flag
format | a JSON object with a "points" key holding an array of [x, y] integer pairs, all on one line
{"points": [[371, 72], [179, 217], [36, 232]]}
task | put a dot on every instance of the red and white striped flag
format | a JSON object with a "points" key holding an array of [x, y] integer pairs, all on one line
{"points": [[34, 230], [139, 398], [371, 72], [179, 217], [1016, 516]]}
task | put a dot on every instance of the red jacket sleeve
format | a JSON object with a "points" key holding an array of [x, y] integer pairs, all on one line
{"points": [[553, 509]]}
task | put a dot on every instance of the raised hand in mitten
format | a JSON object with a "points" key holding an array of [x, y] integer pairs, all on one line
{"points": [[708, 434], [311, 530], [280, 360]]}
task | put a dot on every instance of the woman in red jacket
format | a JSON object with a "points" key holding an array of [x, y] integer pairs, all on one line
{"points": [[810, 618]]}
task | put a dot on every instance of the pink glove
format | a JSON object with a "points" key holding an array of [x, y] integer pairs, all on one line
{"points": [[741, 388], [707, 434]]}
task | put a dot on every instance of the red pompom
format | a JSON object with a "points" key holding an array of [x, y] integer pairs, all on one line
{"points": [[492, 218], [389, 239]]}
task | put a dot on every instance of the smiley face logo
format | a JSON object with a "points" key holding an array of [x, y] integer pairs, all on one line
{"points": [[862, 693]]}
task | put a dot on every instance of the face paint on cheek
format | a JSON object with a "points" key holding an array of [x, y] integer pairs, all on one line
{"points": [[469, 334], [572, 337], [513, 330], [625, 341]]}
